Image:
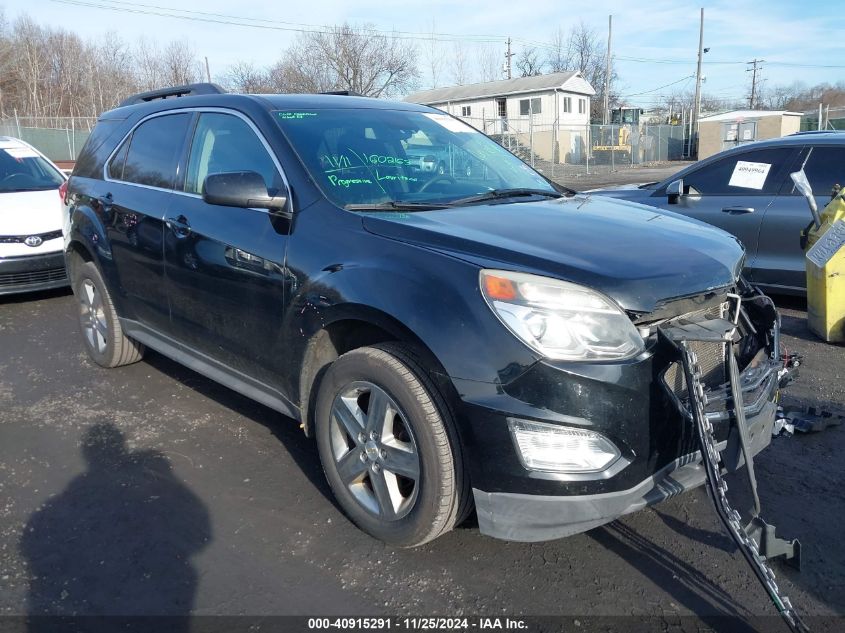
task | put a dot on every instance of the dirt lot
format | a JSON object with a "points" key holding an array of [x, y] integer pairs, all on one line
{"points": [[152, 490], [581, 178]]}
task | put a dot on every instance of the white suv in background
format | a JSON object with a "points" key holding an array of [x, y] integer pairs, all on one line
{"points": [[31, 191]]}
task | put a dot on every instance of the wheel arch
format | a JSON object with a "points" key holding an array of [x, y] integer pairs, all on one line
{"points": [[345, 329]]}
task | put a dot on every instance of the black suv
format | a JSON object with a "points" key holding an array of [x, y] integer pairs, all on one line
{"points": [[449, 341]]}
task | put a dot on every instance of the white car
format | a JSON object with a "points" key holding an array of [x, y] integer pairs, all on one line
{"points": [[31, 190]]}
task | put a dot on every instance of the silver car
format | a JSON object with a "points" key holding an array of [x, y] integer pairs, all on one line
{"points": [[747, 192]]}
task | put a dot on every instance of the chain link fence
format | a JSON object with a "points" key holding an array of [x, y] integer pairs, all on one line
{"points": [[561, 151], [58, 138]]}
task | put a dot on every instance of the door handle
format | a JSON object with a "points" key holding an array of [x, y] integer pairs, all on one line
{"points": [[738, 210], [179, 225]]}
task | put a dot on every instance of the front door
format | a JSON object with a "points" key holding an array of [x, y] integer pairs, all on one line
{"points": [[226, 266]]}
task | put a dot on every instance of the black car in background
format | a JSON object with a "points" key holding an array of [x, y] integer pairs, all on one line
{"points": [[448, 341], [747, 191]]}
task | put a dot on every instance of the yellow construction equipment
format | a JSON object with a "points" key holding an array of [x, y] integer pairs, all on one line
{"points": [[612, 143]]}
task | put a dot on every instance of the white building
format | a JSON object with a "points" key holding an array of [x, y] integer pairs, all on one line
{"points": [[553, 109]]}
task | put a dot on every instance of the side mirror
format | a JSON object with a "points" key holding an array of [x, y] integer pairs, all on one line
{"points": [[243, 189], [674, 191], [803, 185]]}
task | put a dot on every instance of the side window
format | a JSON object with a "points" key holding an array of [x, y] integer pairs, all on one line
{"points": [[154, 150], [226, 143], [749, 173], [118, 160], [825, 167]]}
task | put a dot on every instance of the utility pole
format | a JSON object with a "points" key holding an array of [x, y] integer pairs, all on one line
{"points": [[606, 114], [753, 72], [696, 111], [207, 71], [508, 56]]}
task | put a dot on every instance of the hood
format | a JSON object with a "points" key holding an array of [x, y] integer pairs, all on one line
{"points": [[633, 254], [625, 187], [30, 212]]}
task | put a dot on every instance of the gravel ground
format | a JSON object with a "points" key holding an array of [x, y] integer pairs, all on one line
{"points": [[581, 178], [151, 490]]}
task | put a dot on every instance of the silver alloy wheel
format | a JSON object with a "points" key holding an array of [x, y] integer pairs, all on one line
{"points": [[374, 450], [93, 317]]}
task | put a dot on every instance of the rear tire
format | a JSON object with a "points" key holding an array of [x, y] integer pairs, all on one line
{"points": [[102, 333], [389, 447]]}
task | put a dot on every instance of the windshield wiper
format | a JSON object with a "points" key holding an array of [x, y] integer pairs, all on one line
{"points": [[497, 194], [396, 205]]}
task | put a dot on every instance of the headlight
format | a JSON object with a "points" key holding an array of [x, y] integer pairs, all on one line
{"points": [[560, 320], [561, 449]]}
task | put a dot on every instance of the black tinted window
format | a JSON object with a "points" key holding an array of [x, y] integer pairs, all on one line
{"points": [[154, 151], [825, 167], [96, 150], [117, 162], [226, 143], [748, 173]]}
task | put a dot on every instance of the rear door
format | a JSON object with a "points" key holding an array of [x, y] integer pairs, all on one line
{"points": [[734, 192], [135, 197], [226, 266], [780, 258]]}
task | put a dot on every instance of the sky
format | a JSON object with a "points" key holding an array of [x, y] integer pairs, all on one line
{"points": [[654, 43]]}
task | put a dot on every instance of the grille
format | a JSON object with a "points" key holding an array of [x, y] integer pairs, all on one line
{"points": [[18, 239], [32, 277], [711, 358]]}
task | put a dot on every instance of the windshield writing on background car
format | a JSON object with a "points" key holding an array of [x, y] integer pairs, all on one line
{"points": [[375, 156]]}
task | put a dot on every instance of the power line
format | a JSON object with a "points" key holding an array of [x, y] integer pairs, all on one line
{"points": [[266, 24], [296, 27], [645, 92], [274, 25]]}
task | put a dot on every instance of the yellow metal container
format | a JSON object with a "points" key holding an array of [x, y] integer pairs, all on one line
{"points": [[826, 274]]}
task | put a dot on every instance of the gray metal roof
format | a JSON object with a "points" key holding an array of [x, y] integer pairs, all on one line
{"points": [[493, 88]]}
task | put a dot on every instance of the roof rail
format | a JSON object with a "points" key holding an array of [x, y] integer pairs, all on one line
{"points": [[175, 91], [803, 132], [343, 93]]}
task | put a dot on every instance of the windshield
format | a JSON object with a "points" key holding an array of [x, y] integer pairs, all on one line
{"points": [[23, 169], [363, 157]]}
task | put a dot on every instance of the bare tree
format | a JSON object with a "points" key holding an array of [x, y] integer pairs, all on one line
{"points": [[358, 59], [460, 64], [435, 59], [582, 49], [489, 63], [529, 63], [179, 64], [558, 57], [247, 77]]}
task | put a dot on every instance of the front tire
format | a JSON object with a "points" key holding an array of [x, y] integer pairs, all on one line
{"points": [[102, 333], [388, 446]]}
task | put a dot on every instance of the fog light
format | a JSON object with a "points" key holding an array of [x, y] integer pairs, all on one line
{"points": [[561, 449]]}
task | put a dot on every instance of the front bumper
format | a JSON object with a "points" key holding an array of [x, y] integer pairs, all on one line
{"points": [[32, 273], [524, 517], [633, 404]]}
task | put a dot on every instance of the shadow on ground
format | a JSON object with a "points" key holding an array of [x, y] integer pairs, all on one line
{"points": [[118, 540]]}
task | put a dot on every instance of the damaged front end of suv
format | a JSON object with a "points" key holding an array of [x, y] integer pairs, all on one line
{"points": [[639, 415]]}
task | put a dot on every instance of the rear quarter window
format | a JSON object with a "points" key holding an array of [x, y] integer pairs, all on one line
{"points": [[100, 143]]}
